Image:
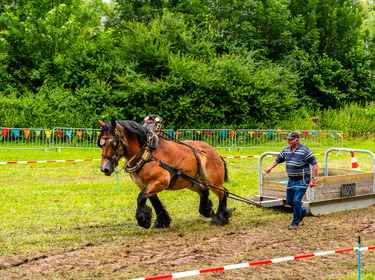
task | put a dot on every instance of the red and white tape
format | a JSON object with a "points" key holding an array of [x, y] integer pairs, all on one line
{"points": [[72, 160], [242, 265], [46, 161]]}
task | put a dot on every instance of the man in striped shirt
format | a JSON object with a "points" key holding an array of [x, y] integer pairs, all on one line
{"points": [[298, 159]]}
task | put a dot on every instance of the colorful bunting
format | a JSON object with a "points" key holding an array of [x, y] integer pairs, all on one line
{"points": [[255, 133], [322, 133], [48, 133], [27, 133], [98, 132], [170, 133], [178, 133], [79, 133], [305, 133], [223, 133], [208, 132], [339, 134], [313, 133], [251, 133], [160, 133], [270, 132], [199, 132], [15, 132], [5, 131], [37, 132], [69, 133], [89, 132], [233, 133], [344, 134], [59, 133]]}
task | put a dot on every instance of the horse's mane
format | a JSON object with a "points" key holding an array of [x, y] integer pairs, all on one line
{"points": [[137, 129], [130, 126]]}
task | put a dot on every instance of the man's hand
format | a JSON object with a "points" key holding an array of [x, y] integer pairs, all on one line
{"points": [[312, 183], [268, 169]]}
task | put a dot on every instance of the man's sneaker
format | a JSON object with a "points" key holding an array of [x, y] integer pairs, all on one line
{"points": [[293, 226], [303, 216]]}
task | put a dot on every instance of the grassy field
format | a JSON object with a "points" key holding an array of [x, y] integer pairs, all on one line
{"points": [[49, 209]]}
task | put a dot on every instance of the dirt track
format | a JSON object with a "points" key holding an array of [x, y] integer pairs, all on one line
{"points": [[157, 252]]}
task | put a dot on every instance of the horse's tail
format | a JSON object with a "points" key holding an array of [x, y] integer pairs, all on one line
{"points": [[226, 178]]}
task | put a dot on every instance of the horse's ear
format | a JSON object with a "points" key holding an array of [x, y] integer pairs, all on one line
{"points": [[101, 123], [113, 124]]}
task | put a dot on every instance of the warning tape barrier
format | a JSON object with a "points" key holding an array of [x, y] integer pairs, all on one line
{"points": [[72, 160], [248, 264]]}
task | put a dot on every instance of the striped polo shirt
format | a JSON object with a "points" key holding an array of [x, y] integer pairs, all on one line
{"points": [[297, 162]]}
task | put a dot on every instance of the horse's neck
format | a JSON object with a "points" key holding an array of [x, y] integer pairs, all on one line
{"points": [[133, 146]]}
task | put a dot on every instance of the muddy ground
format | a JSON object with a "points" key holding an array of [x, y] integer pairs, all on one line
{"points": [[156, 252]]}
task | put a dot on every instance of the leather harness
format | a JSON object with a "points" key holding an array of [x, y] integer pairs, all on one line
{"points": [[146, 156]]}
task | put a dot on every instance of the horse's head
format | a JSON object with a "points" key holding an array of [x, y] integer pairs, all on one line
{"points": [[113, 143]]}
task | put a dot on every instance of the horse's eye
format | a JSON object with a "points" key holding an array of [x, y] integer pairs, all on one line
{"points": [[102, 142]]}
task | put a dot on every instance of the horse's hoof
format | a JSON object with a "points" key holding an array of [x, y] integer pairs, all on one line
{"points": [[162, 221], [219, 222]]}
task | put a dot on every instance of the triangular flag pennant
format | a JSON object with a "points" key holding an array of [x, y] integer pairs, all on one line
{"points": [[313, 133], [344, 134], [233, 133], [15, 132], [298, 131], [223, 133], [178, 133], [339, 134], [251, 133], [48, 133], [37, 132], [305, 133], [59, 133], [79, 133], [27, 133], [284, 132], [322, 133], [199, 132], [170, 133], [208, 133], [69, 133], [160, 133], [89, 132], [98, 132], [270, 132], [5, 131], [255, 133]]}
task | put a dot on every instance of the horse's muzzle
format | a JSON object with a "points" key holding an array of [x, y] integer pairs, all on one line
{"points": [[106, 168]]}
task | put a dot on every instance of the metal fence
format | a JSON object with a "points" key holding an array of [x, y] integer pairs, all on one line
{"points": [[267, 139], [25, 138], [86, 138], [74, 138], [218, 138]]}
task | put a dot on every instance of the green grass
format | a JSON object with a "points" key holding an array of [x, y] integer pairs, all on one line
{"points": [[49, 207]]}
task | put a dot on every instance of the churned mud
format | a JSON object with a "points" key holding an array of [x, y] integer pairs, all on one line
{"points": [[174, 250]]}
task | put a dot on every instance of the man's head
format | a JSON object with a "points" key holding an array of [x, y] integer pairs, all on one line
{"points": [[293, 139]]}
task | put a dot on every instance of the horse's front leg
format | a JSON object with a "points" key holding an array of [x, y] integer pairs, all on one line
{"points": [[162, 217], [144, 212]]}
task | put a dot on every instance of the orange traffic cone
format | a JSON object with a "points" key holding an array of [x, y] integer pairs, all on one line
{"points": [[355, 165]]}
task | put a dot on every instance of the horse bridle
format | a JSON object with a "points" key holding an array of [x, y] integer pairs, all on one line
{"points": [[114, 141]]}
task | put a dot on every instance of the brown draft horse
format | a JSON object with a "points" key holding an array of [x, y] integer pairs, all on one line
{"points": [[126, 139]]}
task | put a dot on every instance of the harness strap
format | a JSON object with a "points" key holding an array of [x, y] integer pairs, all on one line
{"points": [[180, 173]]}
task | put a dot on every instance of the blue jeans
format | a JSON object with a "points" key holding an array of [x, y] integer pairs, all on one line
{"points": [[294, 195]]}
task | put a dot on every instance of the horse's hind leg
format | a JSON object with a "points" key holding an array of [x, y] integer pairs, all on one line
{"points": [[205, 206], [222, 215], [144, 212], [162, 217]]}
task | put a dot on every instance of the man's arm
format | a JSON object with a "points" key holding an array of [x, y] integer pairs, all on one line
{"points": [[314, 174], [269, 168]]}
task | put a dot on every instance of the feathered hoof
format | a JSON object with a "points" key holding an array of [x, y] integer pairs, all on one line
{"points": [[162, 221], [144, 216], [221, 218]]}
